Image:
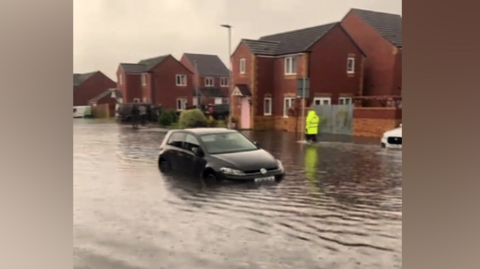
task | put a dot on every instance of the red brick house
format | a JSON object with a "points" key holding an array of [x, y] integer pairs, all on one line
{"points": [[161, 80], [89, 85], [266, 73], [211, 78], [380, 36]]}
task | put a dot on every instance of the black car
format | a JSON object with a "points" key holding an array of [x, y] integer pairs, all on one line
{"points": [[217, 154]]}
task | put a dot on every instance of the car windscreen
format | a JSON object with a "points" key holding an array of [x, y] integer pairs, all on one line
{"points": [[226, 143]]}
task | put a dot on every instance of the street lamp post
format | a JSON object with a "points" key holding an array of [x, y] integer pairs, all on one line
{"points": [[230, 79]]}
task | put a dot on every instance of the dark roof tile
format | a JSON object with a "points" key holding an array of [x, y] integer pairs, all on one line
{"points": [[152, 62], [262, 47], [244, 89], [387, 25], [208, 65], [118, 94], [298, 40], [79, 79], [133, 68]]}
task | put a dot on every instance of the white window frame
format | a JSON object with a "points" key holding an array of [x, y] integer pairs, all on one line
{"points": [[344, 99], [290, 65], [321, 99], [285, 109], [351, 70], [218, 100], [242, 66], [224, 82], [120, 79], [184, 80], [269, 113], [209, 79], [144, 80], [183, 104]]}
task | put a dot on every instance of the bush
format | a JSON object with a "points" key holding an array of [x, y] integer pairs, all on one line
{"points": [[211, 122], [193, 118], [167, 118]]}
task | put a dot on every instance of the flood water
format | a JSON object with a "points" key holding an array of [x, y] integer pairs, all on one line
{"points": [[340, 206]]}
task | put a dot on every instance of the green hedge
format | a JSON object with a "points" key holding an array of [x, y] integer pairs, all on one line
{"points": [[193, 118], [167, 118]]}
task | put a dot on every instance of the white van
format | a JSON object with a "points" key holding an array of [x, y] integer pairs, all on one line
{"points": [[81, 111]]}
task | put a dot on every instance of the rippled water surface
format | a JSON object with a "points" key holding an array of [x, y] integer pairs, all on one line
{"points": [[340, 206]]}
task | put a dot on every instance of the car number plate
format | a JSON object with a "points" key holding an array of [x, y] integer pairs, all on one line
{"points": [[265, 179]]}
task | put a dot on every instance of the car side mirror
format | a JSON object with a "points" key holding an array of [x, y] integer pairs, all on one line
{"points": [[256, 144], [198, 151]]}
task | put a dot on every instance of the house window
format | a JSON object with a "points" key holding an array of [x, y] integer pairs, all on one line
{"points": [[120, 79], [350, 65], [290, 66], [144, 99], [224, 82], [267, 106], [195, 101], [345, 101], [321, 101], [242, 66], [144, 80], [287, 103], [136, 100], [181, 104], [218, 101], [225, 101], [181, 80], [209, 82]]}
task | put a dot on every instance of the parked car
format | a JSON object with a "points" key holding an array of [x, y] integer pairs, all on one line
{"points": [[82, 111], [218, 111], [392, 138], [124, 112], [217, 154]]}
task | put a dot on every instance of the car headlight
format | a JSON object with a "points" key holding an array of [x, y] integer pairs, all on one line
{"points": [[230, 171], [280, 165]]}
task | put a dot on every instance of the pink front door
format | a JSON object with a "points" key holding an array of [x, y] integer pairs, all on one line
{"points": [[245, 114]]}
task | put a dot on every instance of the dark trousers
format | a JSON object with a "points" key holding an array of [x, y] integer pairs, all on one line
{"points": [[311, 138]]}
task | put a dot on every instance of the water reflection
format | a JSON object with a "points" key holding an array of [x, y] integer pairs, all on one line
{"points": [[338, 207]]}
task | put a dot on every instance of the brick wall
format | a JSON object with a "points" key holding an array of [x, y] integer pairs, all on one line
{"points": [[373, 122]]}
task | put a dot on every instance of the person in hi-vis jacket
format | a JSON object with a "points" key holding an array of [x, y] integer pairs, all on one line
{"points": [[311, 126]]}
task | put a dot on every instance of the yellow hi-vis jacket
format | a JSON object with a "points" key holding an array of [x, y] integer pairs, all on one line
{"points": [[311, 123]]}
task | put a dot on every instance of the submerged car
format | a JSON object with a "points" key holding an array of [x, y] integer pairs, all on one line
{"points": [[217, 154], [392, 138]]}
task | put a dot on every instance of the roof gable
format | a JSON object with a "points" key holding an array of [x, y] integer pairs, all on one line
{"points": [[387, 25], [152, 62], [208, 65], [298, 40], [79, 79], [133, 68]]}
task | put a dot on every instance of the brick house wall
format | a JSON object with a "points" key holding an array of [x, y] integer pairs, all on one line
{"points": [[242, 52], [199, 81], [383, 66], [165, 92], [130, 86], [91, 88], [328, 67]]}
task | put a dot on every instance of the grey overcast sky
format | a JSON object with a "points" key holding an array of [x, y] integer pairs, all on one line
{"points": [[108, 32]]}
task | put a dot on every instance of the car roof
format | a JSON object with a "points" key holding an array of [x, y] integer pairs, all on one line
{"points": [[205, 131]]}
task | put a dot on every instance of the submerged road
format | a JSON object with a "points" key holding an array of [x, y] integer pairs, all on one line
{"points": [[340, 206]]}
